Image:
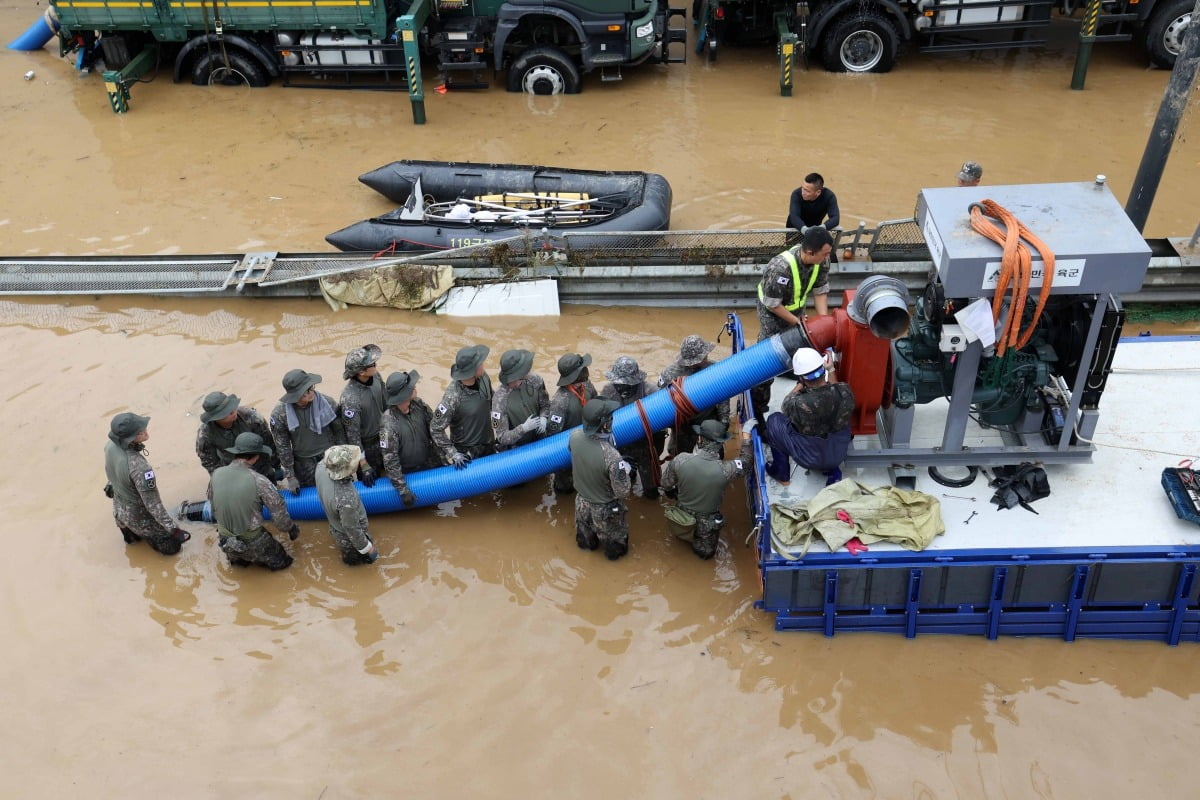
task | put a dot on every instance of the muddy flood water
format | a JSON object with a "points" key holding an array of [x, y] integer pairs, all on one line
{"points": [[484, 655]]}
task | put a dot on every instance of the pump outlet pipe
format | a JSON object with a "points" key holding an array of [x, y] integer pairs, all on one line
{"points": [[709, 386], [706, 388]]}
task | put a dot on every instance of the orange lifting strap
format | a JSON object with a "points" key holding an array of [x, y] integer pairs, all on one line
{"points": [[1016, 268]]}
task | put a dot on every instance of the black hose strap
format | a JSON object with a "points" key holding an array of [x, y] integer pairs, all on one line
{"points": [[972, 474]]}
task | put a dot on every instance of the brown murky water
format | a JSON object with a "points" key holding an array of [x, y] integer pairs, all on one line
{"points": [[484, 654]]}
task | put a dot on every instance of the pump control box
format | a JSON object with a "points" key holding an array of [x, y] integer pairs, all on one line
{"points": [[1096, 248]]}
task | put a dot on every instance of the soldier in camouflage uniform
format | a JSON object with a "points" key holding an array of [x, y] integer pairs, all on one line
{"points": [[304, 424], [693, 357], [406, 441], [627, 385], [133, 487], [521, 405], [466, 410], [603, 481], [237, 494], [698, 481], [221, 422], [787, 281], [362, 405], [566, 407], [814, 426], [343, 507]]}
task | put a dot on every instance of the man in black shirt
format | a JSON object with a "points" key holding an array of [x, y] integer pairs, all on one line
{"points": [[813, 204]]}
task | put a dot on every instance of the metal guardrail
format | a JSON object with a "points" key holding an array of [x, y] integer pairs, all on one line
{"points": [[663, 268]]}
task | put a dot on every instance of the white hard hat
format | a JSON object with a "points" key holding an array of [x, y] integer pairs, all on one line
{"points": [[808, 363]]}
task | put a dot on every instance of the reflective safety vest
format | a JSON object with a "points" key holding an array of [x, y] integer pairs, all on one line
{"points": [[799, 296]]}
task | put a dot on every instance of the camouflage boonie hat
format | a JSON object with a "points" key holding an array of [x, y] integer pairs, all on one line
{"points": [[361, 358], [596, 412], [218, 405], [248, 443], [625, 371], [971, 171], [694, 350], [571, 366], [712, 430], [125, 427], [341, 460]]}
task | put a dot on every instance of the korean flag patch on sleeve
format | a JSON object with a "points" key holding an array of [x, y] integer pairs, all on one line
{"points": [[496, 416], [349, 413], [556, 419], [149, 478], [442, 408], [782, 280]]}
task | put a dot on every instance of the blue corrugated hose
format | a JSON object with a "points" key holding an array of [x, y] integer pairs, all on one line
{"points": [[35, 37], [706, 388]]}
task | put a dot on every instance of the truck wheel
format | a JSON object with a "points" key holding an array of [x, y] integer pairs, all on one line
{"points": [[1164, 33], [861, 43], [210, 69], [543, 70]]}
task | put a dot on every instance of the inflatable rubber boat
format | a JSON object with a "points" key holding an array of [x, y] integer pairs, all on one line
{"points": [[446, 204]]}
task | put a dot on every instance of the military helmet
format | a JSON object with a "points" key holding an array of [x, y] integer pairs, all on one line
{"points": [[125, 427], [597, 412], [625, 371], [571, 366], [341, 460], [694, 350], [361, 358]]}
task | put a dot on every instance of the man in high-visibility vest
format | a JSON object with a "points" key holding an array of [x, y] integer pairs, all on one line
{"points": [[787, 282]]}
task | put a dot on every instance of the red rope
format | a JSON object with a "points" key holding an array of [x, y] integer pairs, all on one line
{"points": [[655, 467], [684, 410]]}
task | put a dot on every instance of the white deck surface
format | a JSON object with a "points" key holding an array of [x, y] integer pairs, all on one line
{"points": [[1149, 420]]}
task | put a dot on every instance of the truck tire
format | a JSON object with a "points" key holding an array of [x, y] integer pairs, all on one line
{"points": [[210, 69], [543, 70], [860, 42], [1164, 32]]}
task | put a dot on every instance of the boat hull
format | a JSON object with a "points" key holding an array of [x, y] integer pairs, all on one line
{"points": [[639, 201]]}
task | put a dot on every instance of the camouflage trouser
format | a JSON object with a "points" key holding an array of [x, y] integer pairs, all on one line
{"points": [[638, 456], [708, 532], [479, 450], [564, 481], [262, 549], [306, 469], [136, 523], [760, 397], [371, 452], [602, 523]]}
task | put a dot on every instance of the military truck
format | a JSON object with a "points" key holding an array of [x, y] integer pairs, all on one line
{"points": [[544, 46], [866, 35]]}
